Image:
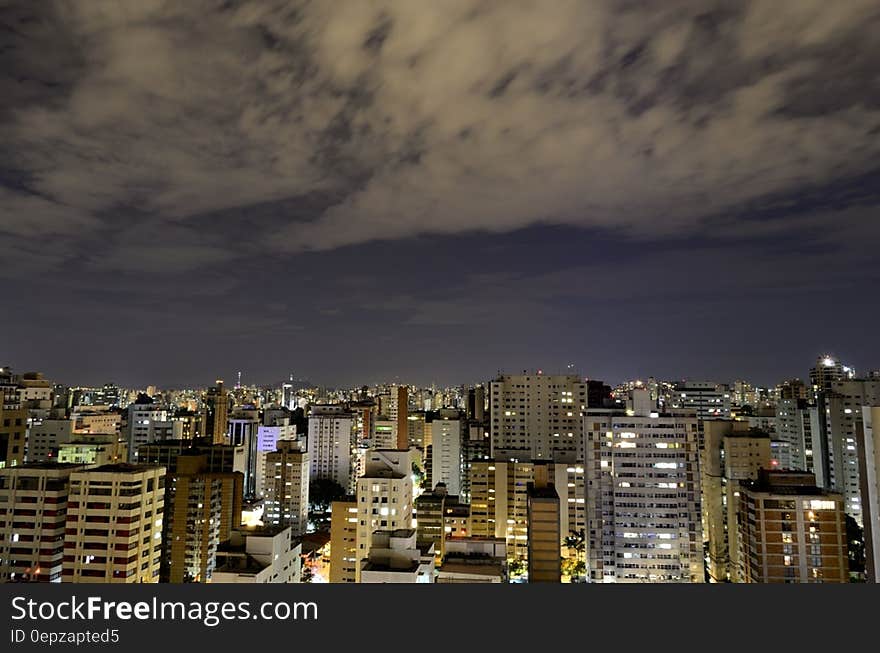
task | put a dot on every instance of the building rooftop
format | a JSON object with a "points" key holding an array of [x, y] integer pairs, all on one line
{"points": [[125, 468], [238, 564], [45, 465], [407, 567]]}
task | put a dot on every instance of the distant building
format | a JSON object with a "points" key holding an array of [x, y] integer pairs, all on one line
{"points": [[330, 444], [537, 417], [286, 487]]}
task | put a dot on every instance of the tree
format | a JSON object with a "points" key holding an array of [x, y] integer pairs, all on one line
{"points": [[323, 492], [855, 542]]}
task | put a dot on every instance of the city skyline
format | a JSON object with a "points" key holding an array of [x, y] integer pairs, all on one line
{"points": [[311, 381], [400, 190]]}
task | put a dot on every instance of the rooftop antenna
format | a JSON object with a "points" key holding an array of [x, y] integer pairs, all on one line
{"points": [[238, 385]]}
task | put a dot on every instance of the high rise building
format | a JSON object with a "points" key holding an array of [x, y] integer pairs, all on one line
{"points": [[834, 425], [343, 540], [286, 489], [384, 496], [215, 413], [402, 417], [709, 400], [113, 531], [791, 531], [446, 451], [330, 444], [794, 426], [537, 417], [643, 497], [144, 418], [242, 430], [544, 533], [33, 511], [499, 501], [430, 518], [868, 445], [203, 506], [13, 421], [733, 453], [826, 371]]}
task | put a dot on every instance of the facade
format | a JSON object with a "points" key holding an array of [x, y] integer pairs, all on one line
{"points": [[286, 487], [202, 508], [343, 540], [13, 421], [793, 426], [144, 420], [446, 452], [791, 531], [643, 497], [545, 562], [33, 512], [45, 436], [869, 475], [330, 444], [838, 416], [733, 453], [537, 417], [113, 531], [384, 497], [215, 413]]}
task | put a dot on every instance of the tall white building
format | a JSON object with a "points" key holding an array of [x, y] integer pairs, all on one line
{"points": [[537, 417], [643, 497], [793, 426], [835, 421], [384, 497], [709, 400], [286, 487], [144, 419], [268, 437], [330, 443], [446, 460], [869, 464], [114, 524]]}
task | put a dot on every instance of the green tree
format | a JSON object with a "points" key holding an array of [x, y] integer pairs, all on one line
{"points": [[855, 543], [323, 492]]}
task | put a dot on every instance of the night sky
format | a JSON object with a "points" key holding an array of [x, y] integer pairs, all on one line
{"points": [[434, 191]]}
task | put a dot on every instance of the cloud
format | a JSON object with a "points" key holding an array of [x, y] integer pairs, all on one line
{"points": [[406, 119]]}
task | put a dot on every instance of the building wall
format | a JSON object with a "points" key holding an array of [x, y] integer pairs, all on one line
{"points": [[343, 541]]}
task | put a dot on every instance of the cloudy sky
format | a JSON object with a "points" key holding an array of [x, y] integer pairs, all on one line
{"points": [[356, 191]]}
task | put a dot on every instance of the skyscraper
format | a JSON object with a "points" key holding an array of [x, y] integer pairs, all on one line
{"points": [[214, 413], [537, 417], [643, 497], [343, 540], [33, 512], [384, 497], [544, 533], [330, 444], [286, 489], [402, 417], [113, 531]]}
